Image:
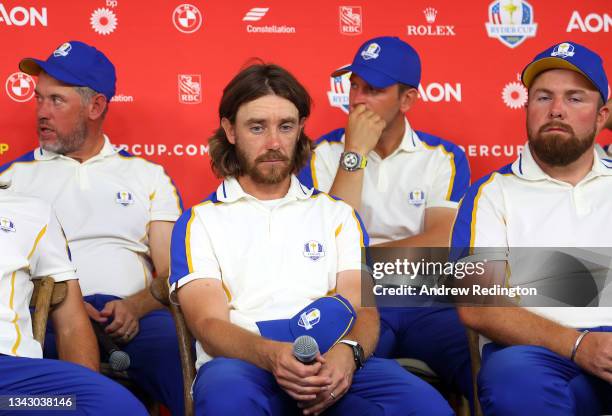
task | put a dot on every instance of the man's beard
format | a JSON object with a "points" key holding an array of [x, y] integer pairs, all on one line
{"points": [[274, 175], [69, 142], [558, 149]]}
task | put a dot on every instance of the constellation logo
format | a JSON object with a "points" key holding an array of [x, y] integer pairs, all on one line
{"points": [[190, 88], [430, 29], [593, 22], [351, 20], [514, 94], [20, 87], [255, 14], [20, 16], [187, 18], [511, 23], [103, 21]]}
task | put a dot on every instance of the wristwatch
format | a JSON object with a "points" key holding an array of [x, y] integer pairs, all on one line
{"points": [[358, 354], [352, 161]]}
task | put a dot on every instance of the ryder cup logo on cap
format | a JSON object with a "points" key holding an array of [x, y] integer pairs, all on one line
{"points": [[371, 52], [63, 50], [571, 56], [327, 320], [76, 63], [384, 61], [563, 51], [309, 318]]}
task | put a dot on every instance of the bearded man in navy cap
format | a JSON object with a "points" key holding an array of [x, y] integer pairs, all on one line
{"points": [[116, 210]]}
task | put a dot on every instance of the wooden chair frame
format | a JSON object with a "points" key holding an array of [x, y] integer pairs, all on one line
{"points": [[47, 295]]}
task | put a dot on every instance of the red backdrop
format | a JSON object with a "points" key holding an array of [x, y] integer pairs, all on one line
{"points": [[173, 61]]}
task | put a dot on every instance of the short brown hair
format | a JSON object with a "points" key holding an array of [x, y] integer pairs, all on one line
{"points": [[250, 84]]}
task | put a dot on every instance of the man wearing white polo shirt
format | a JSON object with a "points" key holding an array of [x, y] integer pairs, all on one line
{"points": [[546, 360], [262, 252], [117, 211], [32, 247], [406, 184]]}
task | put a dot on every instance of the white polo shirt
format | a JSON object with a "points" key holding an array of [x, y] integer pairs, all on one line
{"points": [[273, 259], [32, 246], [105, 206], [521, 206], [423, 172]]}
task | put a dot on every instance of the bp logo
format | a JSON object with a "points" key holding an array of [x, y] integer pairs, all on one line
{"points": [[314, 250], [6, 225], [338, 94], [124, 198], [310, 318], [511, 21]]}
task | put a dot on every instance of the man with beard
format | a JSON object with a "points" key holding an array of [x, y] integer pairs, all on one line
{"points": [[265, 253], [117, 212], [545, 360]]}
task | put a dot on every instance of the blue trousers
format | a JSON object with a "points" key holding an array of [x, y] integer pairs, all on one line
{"points": [[430, 334], [95, 394], [155, 364], [528, 380], [225, 386]]}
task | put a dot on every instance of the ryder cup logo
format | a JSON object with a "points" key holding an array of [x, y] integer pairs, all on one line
{"points": [[416, 197], [371, 51], [314, 250], [63, 50], [563, 50], [6, 225], [338, 95], [511, 21], [350, 20], [187, 18], [20, 87], [124, 198], [309, 318]]}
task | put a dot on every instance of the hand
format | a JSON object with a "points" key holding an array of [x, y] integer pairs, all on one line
{"points": [[302, 382], [363, 130], [595, 354], [93, 313], [125, 319], [339, 367]]}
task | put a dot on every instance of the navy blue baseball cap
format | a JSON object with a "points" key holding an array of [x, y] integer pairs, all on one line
{"points": [[327, 320], [572, 56], [76, 63], [385, 61]]}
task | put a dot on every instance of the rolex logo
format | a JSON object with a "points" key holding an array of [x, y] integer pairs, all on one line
{"points": [[430, 14]]}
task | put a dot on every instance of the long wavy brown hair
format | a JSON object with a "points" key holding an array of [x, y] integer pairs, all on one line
{"points": [[250, 84]]}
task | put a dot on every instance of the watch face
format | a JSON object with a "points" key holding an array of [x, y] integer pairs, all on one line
{"points": [[350, 160]]}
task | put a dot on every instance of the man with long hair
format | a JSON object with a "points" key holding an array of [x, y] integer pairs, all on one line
{"points": [[265, 259]]}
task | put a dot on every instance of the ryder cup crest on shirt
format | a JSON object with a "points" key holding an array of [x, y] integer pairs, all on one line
{"points": [[309, 318], [314, 250], [416, 197], [124, 198], [7, 225]]}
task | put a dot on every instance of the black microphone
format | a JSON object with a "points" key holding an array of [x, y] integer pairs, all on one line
{"points": [[305, 349], [118, 360]]}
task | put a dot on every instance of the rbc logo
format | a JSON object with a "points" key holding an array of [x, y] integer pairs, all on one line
{"points": [[190, 89]]}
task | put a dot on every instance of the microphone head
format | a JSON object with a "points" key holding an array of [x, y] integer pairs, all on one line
{"points": [[305, 349], [119, 360]]}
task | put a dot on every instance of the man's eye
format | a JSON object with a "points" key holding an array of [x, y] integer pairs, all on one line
{"points": [[256, 129], [286, 127]]}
